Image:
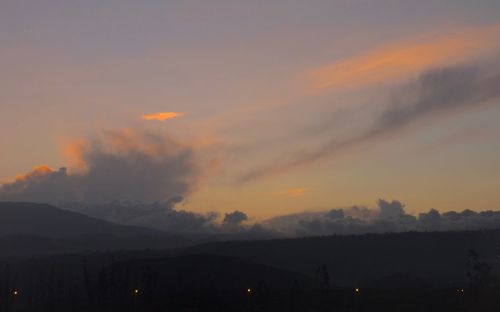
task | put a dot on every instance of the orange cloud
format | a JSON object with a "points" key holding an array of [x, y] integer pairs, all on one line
{"points": [[74, 153], [294, 193], [162, 116], [121, 142], [397, 60], [36, 173]]}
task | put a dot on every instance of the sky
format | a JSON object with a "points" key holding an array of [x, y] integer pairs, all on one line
{"points": [[267, 107]]}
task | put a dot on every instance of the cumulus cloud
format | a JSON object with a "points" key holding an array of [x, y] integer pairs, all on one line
{"points": [[118, 165], [390, 210], [158, 215], [42, 184], [235, 217], [127, 176], [234, 222], [389, 216], [386, 217]]}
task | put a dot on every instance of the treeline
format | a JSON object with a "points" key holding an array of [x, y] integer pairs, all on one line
{"points": [[127, 282]]}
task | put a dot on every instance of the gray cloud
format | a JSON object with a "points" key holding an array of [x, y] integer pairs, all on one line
{"points": [[41, 185], [128, 177], [158, 215], [390, 210], [387, 217], [122, 165], [235, 217], [233, 222], [436, 93]]}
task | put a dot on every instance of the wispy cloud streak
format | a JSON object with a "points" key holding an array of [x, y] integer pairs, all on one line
{"points": [[435, 94], [397, 60]]}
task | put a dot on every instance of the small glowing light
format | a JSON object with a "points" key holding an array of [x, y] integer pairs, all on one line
{"points": [[249, 290], [136, 291], [16, 292], [356, 290], [460, 290]]}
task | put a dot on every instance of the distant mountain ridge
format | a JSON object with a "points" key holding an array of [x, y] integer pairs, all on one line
{"points": [[29, 228], [48, 221]]}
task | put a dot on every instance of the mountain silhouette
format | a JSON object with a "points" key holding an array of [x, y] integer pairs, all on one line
{"points": [[432, 258], [29, 228]]}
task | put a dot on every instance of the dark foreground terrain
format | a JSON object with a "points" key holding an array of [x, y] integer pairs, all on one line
{"points": [[126, 282], [122, 282], [69, 262]]}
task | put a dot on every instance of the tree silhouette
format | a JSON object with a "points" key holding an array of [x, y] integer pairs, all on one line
{"points": [[324, 277], [481, 282], [479, 272]]}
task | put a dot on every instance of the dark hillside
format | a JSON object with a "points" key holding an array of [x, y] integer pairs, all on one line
{"points": [[437, 257], [30, 229]]}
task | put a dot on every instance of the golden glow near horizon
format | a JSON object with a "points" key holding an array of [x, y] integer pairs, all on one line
{"points": [[162, 116], [293, 192]]}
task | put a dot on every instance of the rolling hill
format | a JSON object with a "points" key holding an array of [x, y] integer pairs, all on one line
{"points": [[28, 228], [432, 258]]}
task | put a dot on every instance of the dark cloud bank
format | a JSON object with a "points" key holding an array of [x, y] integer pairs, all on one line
{"points": [[119, 165], [387, 217]]}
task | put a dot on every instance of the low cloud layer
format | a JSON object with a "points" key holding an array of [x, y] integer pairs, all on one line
{"points": [[389, 216], [386, 217], [158, 215], [235, 218]]}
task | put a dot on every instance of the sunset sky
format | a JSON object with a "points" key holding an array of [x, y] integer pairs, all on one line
{"points": [[269, 107]]}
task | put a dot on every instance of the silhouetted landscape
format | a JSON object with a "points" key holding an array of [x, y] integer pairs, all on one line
{"points": [[56, 260]]}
